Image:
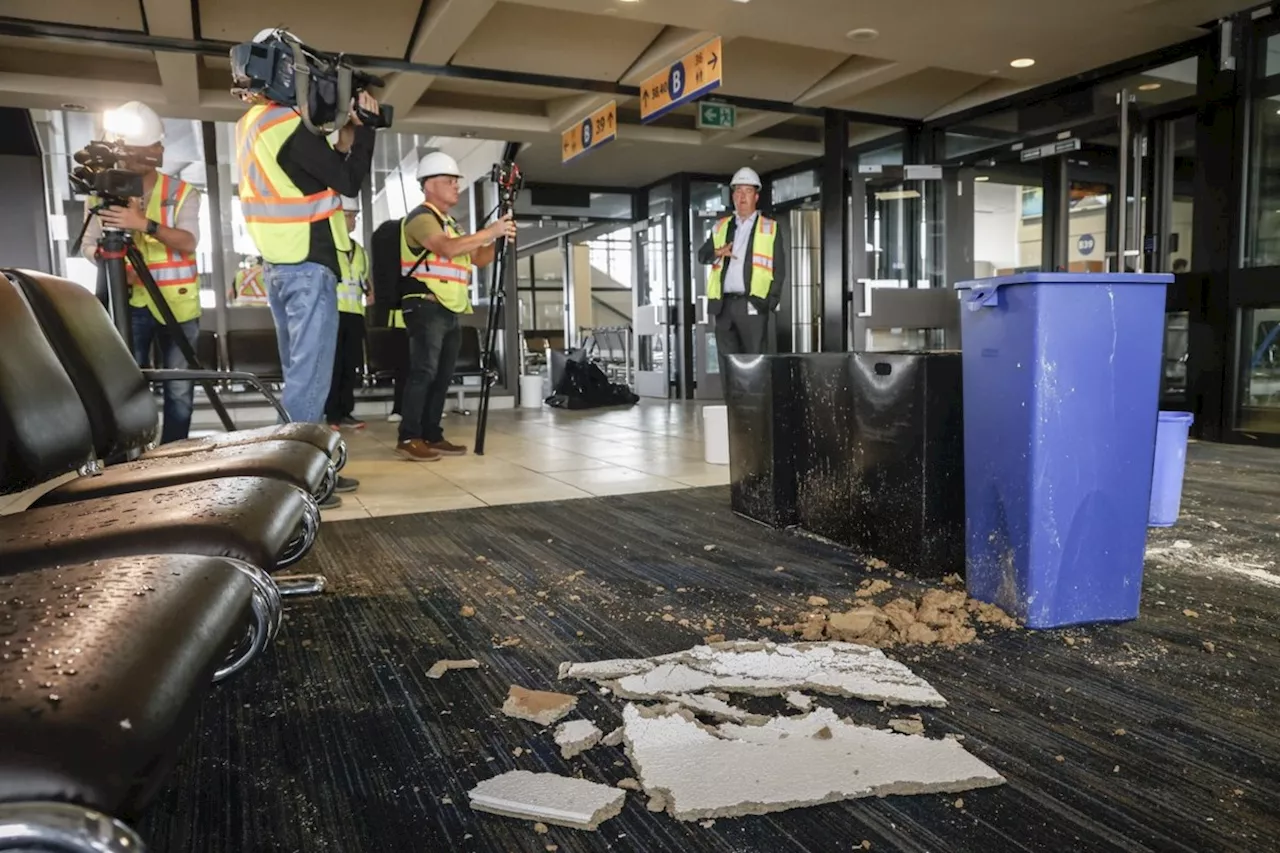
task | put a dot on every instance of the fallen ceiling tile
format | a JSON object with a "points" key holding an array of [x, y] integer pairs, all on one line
{"points": [[440, 667], [764, 669], [790, 762], [577, 736], [537, 706], [714, 707], [548, 797]]}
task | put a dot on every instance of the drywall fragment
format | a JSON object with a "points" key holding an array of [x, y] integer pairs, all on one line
{"points": [[440, 667], [787, 763], [613, 738], [549, 798], [537, 706], [873, 588], [714, 707], [628, 784], [467, 611], [799, 700], [817, 601], [577, 736], [907, 727], [764, 669]]}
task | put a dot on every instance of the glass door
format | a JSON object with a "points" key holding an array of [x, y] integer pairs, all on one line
{"points": [[652, 308], [708, 202]]}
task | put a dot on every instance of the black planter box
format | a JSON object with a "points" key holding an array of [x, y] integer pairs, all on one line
{"points": [[864, 449]]}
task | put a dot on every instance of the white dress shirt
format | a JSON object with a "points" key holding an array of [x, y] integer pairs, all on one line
{"points": [[734, 279]]}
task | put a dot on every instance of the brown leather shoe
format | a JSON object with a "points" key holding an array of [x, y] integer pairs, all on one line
{"points": [[417, 450], [446, 448]]}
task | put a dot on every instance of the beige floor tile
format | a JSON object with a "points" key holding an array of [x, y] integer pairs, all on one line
{"points": [[615, 481], [380, 507], [527, 494], [719, 477], [349, 510]]}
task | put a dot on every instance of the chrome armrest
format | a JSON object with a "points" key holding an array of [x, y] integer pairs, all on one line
{"points": [[184, 375]]}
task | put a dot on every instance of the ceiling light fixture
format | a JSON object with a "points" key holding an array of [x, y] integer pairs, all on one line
{"points": [[982, 178], [862, 34], [1023, 63], [1148, 87], [75, 108]]}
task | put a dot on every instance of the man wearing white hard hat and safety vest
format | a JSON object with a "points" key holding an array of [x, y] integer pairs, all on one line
{"points": [[435, 261], [348, 361], [748, 269], [165, 226], [291, 186]]}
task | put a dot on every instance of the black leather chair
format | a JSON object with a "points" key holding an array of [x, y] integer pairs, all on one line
{"points": [[81, 354], [92, 730], [255, 351], [105, 374], [468, 364]]}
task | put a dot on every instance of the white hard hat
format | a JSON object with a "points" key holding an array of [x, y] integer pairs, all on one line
{"points": [[274, 32], [134, 123], [438, 163], [350, 204], [745, 176]]}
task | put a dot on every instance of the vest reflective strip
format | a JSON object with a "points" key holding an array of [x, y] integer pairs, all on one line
{"points": [[265, 203], [764, 262], [168, 267], [436, 271], [311, 208]]}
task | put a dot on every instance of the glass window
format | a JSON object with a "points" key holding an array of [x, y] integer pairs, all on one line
{"points": [[1260, 390], [1176, 330], [1262, 232], [793, 187], [1271, 57], [1177, 255]]}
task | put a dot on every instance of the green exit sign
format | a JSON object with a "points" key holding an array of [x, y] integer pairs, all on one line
{"points": [[719, 116]]}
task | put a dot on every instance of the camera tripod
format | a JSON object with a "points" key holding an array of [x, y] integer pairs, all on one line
{"points": [[507, 178], [115, 246]]}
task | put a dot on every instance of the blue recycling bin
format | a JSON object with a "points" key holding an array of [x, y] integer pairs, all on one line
{"points": [[1061, 396], [1172, 432]]}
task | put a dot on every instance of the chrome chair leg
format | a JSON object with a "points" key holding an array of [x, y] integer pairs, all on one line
{"points": [[291, 585], [341, 460], [327, 485], [63, 828], [306, 538], [268, 612]]}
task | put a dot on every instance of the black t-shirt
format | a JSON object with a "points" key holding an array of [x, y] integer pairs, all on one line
{"points": [[314, 166]]}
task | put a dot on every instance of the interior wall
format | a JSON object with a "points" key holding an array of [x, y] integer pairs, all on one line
{"points": [[24, 238]]}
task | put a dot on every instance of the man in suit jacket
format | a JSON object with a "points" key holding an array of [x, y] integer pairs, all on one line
{"points": [[748, 269]]}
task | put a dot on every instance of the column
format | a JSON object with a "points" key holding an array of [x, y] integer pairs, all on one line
{"points": [[834, 180]]}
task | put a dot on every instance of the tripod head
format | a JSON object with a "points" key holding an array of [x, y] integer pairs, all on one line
{"points": [[506, 176]]}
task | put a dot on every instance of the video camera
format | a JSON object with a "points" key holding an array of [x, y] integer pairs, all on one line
{"points": [[320, 85], [100, 172]]}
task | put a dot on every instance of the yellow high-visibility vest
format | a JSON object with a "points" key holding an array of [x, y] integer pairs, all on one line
{"points": [[277, 215], [175, 272], [761, 258], [449, 280], [249, 288], [355, 272], [395, 319]]}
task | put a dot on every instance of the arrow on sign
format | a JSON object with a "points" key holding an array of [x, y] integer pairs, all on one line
{"points": [[714, 59]]}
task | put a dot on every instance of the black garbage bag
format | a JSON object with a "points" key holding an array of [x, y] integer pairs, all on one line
{"points": [[583, 385]]}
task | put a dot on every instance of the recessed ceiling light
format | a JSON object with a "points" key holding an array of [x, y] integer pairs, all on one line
{"points": [[862, 34], [1148, 87], [982, 178], [75, 108], [1023, 63]]}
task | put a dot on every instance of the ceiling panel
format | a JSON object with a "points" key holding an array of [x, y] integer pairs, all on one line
{"points": [[371, 27], [523, 38], [79, 48], [780, 72], [915, 96], [118, 14], [485, 88]]}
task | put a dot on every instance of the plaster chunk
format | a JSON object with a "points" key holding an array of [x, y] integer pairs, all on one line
{"points": [[790, 762], [713, 706], [548, 798], [537, 706], [440, 667], [576, 737], [765, 669], [799, 700]]}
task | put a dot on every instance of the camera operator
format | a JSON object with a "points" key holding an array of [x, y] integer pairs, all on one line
{"points": [[443, 292], [291, 187], [165, 226]]}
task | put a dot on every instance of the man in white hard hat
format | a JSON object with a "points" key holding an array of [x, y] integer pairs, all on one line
{"points": [[748, 269], [437, 258], [165, 226], [348, 361]]}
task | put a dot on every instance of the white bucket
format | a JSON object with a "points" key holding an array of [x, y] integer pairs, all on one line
{"points": [[531, 392], [715, 424]]}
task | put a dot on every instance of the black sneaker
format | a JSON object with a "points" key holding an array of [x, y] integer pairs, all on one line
{"points": [[346, 484], [351, 423], [333, 502]]}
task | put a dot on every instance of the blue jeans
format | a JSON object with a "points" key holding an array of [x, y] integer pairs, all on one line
{"points": [[304, 304], [179, 397]]}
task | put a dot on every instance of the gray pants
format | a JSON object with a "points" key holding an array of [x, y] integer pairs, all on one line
{"points": [[738, 332]]}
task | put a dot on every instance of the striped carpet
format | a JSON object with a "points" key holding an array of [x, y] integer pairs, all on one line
{"points": [[337, 741]]}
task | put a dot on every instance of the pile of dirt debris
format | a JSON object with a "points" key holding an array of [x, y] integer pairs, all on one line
{"points": [[939, 617]]}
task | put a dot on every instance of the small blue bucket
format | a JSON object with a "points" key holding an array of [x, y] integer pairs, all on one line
{"points": [[1170, 466]]}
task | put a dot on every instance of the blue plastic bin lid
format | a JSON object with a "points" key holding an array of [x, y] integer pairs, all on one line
{"points": [[1177, 418], [1067, 278]]}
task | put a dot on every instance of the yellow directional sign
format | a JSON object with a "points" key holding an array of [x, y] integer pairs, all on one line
{"points": [[692, 77], [592, 132]]}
